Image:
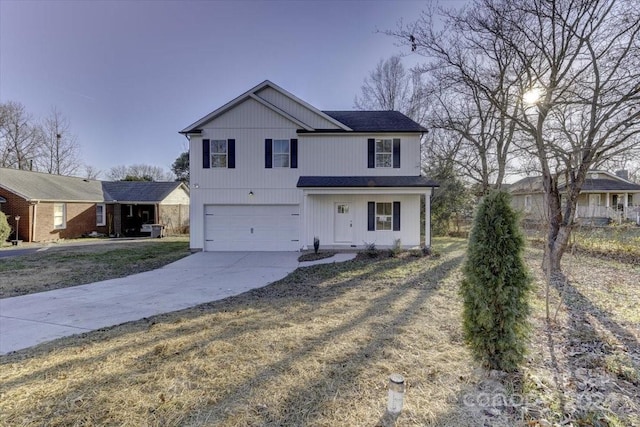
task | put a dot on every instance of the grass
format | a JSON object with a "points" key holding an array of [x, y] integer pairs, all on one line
{"points": [[317, 348], [62, 266]]}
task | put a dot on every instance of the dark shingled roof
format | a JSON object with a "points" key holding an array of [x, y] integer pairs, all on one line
{"points": [[607, 185], [138, 191], [365, 181], [376, 121]]}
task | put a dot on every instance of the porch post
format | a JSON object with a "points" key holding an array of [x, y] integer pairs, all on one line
{"points": [[305, 196], [427, 218], [625, 211]]}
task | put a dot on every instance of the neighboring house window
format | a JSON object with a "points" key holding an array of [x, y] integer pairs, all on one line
{"points": [[383, 216], [101, 214], [219, 153], [527, 203], [130, 211], [59, 216], [281, 153], [383, 153]]}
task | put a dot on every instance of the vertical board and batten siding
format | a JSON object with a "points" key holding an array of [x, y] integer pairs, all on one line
{"points": [[295, 109], [249, 124], [349, 155], [320, 219]]}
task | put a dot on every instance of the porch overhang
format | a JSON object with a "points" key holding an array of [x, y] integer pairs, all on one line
{"points": [[326, 184]]}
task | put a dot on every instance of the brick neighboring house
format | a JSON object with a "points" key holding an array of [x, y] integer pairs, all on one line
{"points": [[53, 207]]}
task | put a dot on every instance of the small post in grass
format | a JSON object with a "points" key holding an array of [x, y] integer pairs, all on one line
{"points": [[396, 395], [17, 230]]}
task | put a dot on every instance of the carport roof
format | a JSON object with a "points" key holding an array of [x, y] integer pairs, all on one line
{"points": [[138, 191], [365, 181]]}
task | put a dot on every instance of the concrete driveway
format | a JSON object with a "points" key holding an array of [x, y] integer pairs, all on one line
{"points": [[202, 277]]}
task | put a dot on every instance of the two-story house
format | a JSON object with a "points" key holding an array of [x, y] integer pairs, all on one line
{"points": [[269, 172]]}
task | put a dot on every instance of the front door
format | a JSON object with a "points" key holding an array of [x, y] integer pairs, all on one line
{"points": [[343, 223]]}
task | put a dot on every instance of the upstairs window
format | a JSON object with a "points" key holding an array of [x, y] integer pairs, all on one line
{"points": [[281, 153], [384, 153], [218, 153]]}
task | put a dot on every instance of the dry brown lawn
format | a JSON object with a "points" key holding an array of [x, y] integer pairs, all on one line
{"points": [[81, 261], [317, 348]]}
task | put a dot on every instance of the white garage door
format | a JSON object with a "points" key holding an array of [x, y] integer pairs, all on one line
{"points": [[252, 228]]}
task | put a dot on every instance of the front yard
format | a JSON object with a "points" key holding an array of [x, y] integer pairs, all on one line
{"points": [[317, 348], [83, 261]]}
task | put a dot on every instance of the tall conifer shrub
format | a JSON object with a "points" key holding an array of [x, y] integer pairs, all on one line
{"points": [[5, 228], [496, 286]]}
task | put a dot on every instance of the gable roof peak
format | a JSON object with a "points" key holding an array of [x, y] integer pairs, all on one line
{"points": [[253, 93]]}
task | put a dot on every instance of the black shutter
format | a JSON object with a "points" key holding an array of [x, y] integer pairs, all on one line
{"points": [[396, 216], [396, 152], [371, 217], [371, 151], [231, 153], [294, 153], [206, 154], [268, 153]]}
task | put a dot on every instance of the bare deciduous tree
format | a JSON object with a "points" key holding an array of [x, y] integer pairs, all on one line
{"points": [[58, 150], [581, 58], [469, 91], [91, 172], [391, 87], [18, 136]]}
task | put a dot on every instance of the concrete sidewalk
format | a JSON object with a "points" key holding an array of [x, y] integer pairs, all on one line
{"points": [[29, 320]]}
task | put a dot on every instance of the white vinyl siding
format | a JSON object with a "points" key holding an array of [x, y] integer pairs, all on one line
{"points": [[320, 219], [59, 216], [296, 109]]}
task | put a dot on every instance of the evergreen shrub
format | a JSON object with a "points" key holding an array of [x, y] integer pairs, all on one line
{"points": [[496, 286]]}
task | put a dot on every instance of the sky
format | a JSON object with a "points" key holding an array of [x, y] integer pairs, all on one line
{"points": [[129, 75]]}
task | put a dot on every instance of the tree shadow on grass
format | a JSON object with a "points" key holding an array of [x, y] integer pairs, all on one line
{"points": [[263, 299], [302, 398]]}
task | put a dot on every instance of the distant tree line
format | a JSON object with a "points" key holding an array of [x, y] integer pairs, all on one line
{"points": [[48, 145]]}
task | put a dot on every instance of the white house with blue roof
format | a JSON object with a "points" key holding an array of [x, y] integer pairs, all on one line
{"points": [[269, 172]]}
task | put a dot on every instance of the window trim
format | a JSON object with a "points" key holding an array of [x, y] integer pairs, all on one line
{"points": [[383, 153], [101, 221], [219, 154], [274, 164], [63, 224], [389, 217], [527, 203]]}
